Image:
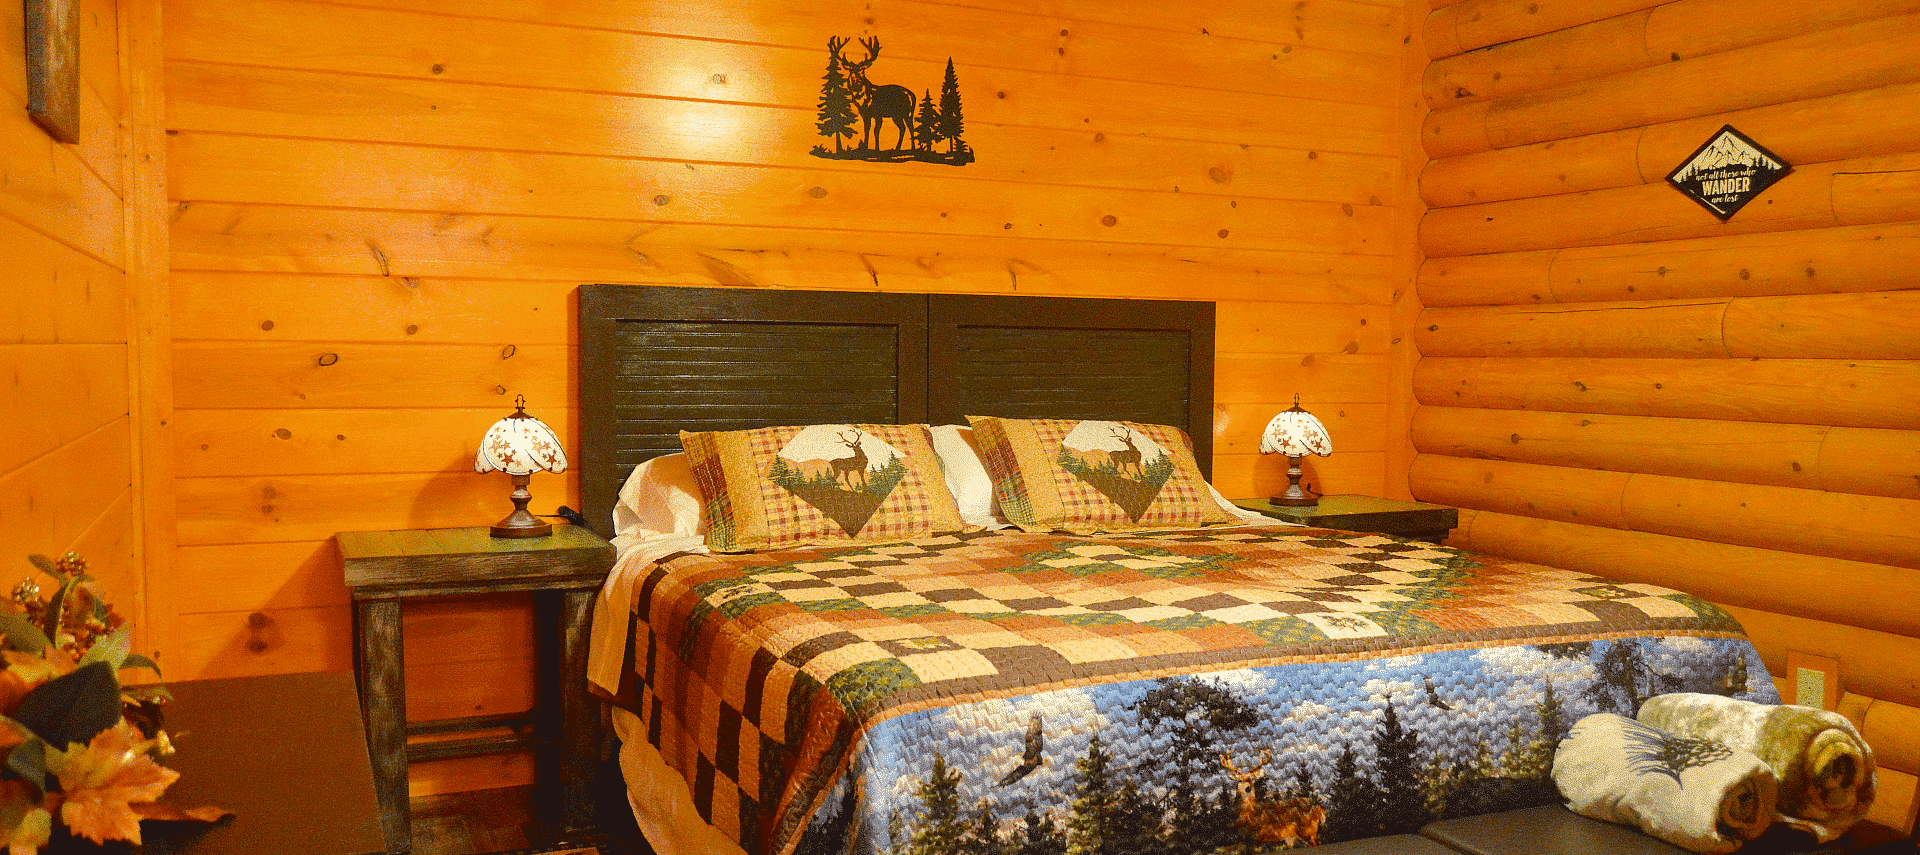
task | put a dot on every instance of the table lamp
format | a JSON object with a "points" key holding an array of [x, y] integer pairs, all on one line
{"points": [[520, 445], [1296, 434]]}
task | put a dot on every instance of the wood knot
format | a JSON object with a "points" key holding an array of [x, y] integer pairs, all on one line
{"points": [[261, 633], [283, 433], [662, 199], [327, 359], [1223, 234], [508, 352], [817, 192], [266, 326], [1109, 220]]}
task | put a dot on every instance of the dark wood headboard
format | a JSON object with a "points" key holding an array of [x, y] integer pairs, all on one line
{"points": [[656, 360]]}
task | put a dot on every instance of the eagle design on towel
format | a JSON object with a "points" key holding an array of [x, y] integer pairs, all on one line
{"points": [[1655, 753]]}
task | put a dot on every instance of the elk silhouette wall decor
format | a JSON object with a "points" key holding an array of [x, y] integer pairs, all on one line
{"points": [[859, 115]]}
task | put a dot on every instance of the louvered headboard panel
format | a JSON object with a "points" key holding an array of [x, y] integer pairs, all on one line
{"points": [[658, 360], [655, 361], [1067, 358]]}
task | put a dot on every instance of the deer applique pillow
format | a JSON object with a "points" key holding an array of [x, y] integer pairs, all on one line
{"points": [[818, 484], [1087, 476]]}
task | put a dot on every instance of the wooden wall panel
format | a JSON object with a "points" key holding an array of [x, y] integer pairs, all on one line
{"points": [[564, 251], [67, 472], [382, 209], [1616, 381]]}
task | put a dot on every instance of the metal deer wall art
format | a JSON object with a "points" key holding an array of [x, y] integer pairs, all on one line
{"points": [[857, 113]]}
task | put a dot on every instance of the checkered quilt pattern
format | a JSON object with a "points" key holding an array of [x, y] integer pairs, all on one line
{"points": [[759, 675]]}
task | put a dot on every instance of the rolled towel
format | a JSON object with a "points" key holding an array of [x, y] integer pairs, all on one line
{"points": [[1697, 794], [1825, 769]]}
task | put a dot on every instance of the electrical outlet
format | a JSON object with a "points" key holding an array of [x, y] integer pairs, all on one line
{"points": [[1815, 680]]}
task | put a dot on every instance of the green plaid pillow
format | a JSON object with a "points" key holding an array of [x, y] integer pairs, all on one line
{"points": [[819, 484], [1087, 476]]}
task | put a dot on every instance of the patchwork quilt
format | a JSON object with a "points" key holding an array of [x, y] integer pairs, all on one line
{"points": [[1241, 690]]}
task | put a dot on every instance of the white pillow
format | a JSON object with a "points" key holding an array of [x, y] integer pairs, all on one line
{"points": [[659, 497], [966, 476]]}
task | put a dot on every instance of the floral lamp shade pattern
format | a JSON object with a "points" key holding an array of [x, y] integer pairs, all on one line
{"points": [[520, 444], [1295, 433]]}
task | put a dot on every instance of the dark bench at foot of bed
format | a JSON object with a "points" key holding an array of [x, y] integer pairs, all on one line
{"points": [[1554, 830]]}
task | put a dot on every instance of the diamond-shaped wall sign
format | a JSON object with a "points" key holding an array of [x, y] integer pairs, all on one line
{"points": [[1727, 172]]}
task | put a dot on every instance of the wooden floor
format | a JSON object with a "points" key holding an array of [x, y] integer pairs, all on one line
{"points": [[501, 820]]}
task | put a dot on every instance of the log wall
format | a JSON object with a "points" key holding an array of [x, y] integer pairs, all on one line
{"points": [[1612, 379], [381, 210], [67, 471]]}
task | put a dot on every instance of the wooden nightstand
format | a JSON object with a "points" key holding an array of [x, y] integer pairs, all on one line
{"points": [[562, 571], [1415, 520]]}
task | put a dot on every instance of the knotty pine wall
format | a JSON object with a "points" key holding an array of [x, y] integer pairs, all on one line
{"points": [[70, 351], [1615, 381], [381, 210]]}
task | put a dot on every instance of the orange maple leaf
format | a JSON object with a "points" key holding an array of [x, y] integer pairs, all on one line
{"points": [[102, 780]]}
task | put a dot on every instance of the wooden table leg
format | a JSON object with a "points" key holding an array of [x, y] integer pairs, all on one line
{"points": [[579, 715], [383, 700]]}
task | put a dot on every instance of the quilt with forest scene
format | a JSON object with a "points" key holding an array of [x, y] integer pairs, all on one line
{"points": [[1230, 691]]}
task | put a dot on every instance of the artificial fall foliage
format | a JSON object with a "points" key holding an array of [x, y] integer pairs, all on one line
{"points": [[78, 745]]}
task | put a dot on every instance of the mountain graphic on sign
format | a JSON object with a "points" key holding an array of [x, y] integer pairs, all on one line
{"points": [[1726, 150], [842, 471]]}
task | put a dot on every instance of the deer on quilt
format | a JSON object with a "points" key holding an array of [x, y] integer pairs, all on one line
{"points": [[1288, 821]]}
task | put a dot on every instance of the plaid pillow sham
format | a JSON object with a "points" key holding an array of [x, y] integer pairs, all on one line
{"points": [[819, 485], [1088, 476]]}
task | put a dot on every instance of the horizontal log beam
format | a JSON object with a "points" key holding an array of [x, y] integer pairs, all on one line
{"points": [[1854, 393], [1872, 596], [1814, 65], [1860, 461], [1744, 452], [1460, 27], [1670, 32], [1878, 257], [1584, 496], [1812, 522], [1871, 462], [1883, 120], [1663, 329], [1846, 192], [1891, 727], [1872, 662], [1816, 326]]}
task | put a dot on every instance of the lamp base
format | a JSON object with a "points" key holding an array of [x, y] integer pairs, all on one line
{"points": [[1294, 496], [522, 524]]}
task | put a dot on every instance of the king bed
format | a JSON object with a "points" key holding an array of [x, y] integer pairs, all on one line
{"points": [[1169, 677]]}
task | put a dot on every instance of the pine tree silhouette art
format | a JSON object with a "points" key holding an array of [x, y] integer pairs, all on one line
{"points": [[852, 107], [836, 103]]}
